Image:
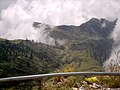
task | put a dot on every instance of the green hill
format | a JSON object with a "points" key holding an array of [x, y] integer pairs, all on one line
{"points": [[85, 48]]}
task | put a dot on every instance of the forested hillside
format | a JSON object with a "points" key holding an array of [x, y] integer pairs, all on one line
{"points": [[85, 48]]}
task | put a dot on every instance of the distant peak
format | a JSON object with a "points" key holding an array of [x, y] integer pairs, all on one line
{"points": [[94, 20], [41, 25], [36, 24]]}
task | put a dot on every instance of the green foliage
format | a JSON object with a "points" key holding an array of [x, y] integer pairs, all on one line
{"points": [[25, 57], [86, 48], [110, 81]]}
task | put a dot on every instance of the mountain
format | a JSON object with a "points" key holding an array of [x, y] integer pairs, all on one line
{"points": [[93, 36], [83, 48], [93, 28], [23, 57], [98, 27]]}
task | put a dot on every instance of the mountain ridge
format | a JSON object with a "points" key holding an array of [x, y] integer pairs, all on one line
{"points": [[84, 48], [92, 44]]}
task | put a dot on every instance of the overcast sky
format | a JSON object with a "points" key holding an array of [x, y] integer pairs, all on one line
{"points": [[5, 3], [67, 10]]}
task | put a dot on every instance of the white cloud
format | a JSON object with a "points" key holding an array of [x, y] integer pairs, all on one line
{"points": [[63, 11]]}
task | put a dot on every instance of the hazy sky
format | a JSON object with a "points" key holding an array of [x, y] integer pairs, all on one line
{"points": [[5, 3], [63, 11]]}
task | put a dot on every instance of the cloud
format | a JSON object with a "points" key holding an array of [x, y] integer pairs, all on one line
{"points": [[113, 63], [62, 11], [4, 4]]}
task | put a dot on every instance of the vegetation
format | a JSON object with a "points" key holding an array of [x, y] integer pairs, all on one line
{"points": [[24, 57], [86, 47], [112, 66], [110, 81]]}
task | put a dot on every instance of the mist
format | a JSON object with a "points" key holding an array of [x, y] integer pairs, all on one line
{"points": [[113, 62]]}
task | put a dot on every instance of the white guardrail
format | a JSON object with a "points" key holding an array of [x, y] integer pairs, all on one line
{"points": [[39, 76]]}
